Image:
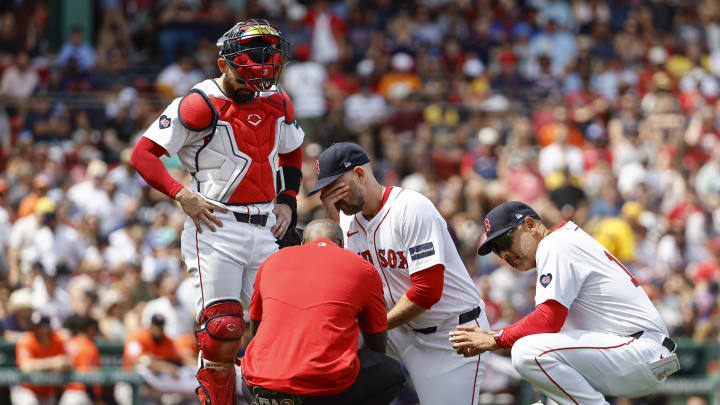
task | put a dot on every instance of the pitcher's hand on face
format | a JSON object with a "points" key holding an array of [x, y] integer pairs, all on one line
{"points": [[472, 340], [330, 196], [283, 216], [199, 210]]}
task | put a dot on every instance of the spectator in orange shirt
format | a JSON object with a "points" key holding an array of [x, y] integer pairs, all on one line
{"points": [[41, 185], [401, 81], [152, 348], [187, 347], [41, 349], [155, 357], [85, 359]]}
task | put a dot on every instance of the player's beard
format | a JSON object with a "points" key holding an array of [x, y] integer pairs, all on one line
{"points": [[240, 95], [353, 203], [352, 208]]}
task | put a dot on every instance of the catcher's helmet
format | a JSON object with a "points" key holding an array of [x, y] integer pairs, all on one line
{"points": [[257, 51]]}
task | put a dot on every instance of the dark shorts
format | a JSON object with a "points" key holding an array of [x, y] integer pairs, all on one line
{"points": [[378, 382]]}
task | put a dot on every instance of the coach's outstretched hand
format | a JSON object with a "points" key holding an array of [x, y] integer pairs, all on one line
{"points": [[199, 210], [472, 340]]}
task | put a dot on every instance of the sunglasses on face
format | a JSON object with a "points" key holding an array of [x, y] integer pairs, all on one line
{"points": [[504, 241]]}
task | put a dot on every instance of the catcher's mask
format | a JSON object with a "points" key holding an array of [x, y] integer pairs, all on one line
{"points": [[257, 51]]}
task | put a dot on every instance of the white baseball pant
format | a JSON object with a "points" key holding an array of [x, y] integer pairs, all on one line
{"points": [[223, 264], [580, 367], [438, 373], [20, 395]]}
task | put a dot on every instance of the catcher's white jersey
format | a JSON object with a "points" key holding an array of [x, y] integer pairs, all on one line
{"points": [[577, 271], [218, 162], [406, 236], [409, 235]]}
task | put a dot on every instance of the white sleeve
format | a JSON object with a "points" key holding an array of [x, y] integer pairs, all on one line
{"points": [[291, 136], [422, 234], [167, 131], [558, 278]]}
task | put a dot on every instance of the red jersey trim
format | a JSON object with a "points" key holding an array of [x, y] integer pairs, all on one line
{"points": [[202, 293], [386, 195], [556, 227], [361, 227]]}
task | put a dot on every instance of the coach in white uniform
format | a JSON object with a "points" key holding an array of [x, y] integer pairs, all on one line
{"points": [[427, 288], [614, 341]]}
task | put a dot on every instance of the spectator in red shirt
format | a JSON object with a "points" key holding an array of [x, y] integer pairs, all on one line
{"points": [[308, 303]]}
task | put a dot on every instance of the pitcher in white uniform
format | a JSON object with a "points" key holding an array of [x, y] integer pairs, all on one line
{"points": [[613, 340], [428, 291]]}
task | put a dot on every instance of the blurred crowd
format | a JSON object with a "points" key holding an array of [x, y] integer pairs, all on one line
{"points": [[603, 112]]}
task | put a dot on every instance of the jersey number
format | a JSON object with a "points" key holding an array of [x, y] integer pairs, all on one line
{"points": [[613, 259]]}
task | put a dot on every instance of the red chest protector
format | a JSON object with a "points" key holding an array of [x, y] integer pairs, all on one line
{"points": [[249, 134]]}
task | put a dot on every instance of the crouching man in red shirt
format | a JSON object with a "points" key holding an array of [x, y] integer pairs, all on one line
{"points": [[308, 304]]}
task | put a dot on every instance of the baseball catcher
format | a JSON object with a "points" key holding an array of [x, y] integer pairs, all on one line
{"points": [[238, 138]]}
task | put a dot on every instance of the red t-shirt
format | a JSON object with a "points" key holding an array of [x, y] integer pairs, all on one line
{"points": [[312, 299]]}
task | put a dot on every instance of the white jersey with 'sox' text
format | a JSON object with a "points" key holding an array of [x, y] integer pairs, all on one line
{"points": [[168, 132], [409, 235], [602, 296]]}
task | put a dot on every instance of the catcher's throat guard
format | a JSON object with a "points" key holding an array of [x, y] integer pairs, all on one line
{"points": [[257, 51]]}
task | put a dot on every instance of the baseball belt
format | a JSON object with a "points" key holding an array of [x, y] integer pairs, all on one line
{"points": [[667, 342], [462, 318], [265, 396], [258, 220]]}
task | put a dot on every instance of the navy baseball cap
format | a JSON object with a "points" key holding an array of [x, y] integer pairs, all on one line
{"points": [[503, 219], [39, 319], [336, 160]]}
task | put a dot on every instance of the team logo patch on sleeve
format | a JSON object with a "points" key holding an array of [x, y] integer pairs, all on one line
{"points": [[545, 279], [164, 121], [420, 251]]}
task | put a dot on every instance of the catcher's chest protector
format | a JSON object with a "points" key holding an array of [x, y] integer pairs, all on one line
{"points": [[238, 162]]}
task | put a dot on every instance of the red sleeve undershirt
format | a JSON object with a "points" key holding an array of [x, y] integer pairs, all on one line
{"points": [[146, 160], [291, 159], [548, 317], [427, 286]]}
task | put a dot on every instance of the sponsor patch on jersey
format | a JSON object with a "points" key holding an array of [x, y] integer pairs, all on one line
{"points": [[164, 121], [420, 251], [545, 279]]}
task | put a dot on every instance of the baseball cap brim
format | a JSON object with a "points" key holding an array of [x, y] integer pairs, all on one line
{"points": [[486, 247], [324, 182]]}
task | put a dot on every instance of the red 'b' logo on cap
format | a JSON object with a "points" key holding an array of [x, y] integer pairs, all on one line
{"points": [[317, 167], [487, 225]]}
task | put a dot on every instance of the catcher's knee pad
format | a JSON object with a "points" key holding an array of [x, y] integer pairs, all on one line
{"points": [[219, 341], [221, 330]]}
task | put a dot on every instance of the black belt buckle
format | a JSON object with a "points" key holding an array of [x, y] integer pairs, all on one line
{"points": [[257, 220]]}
